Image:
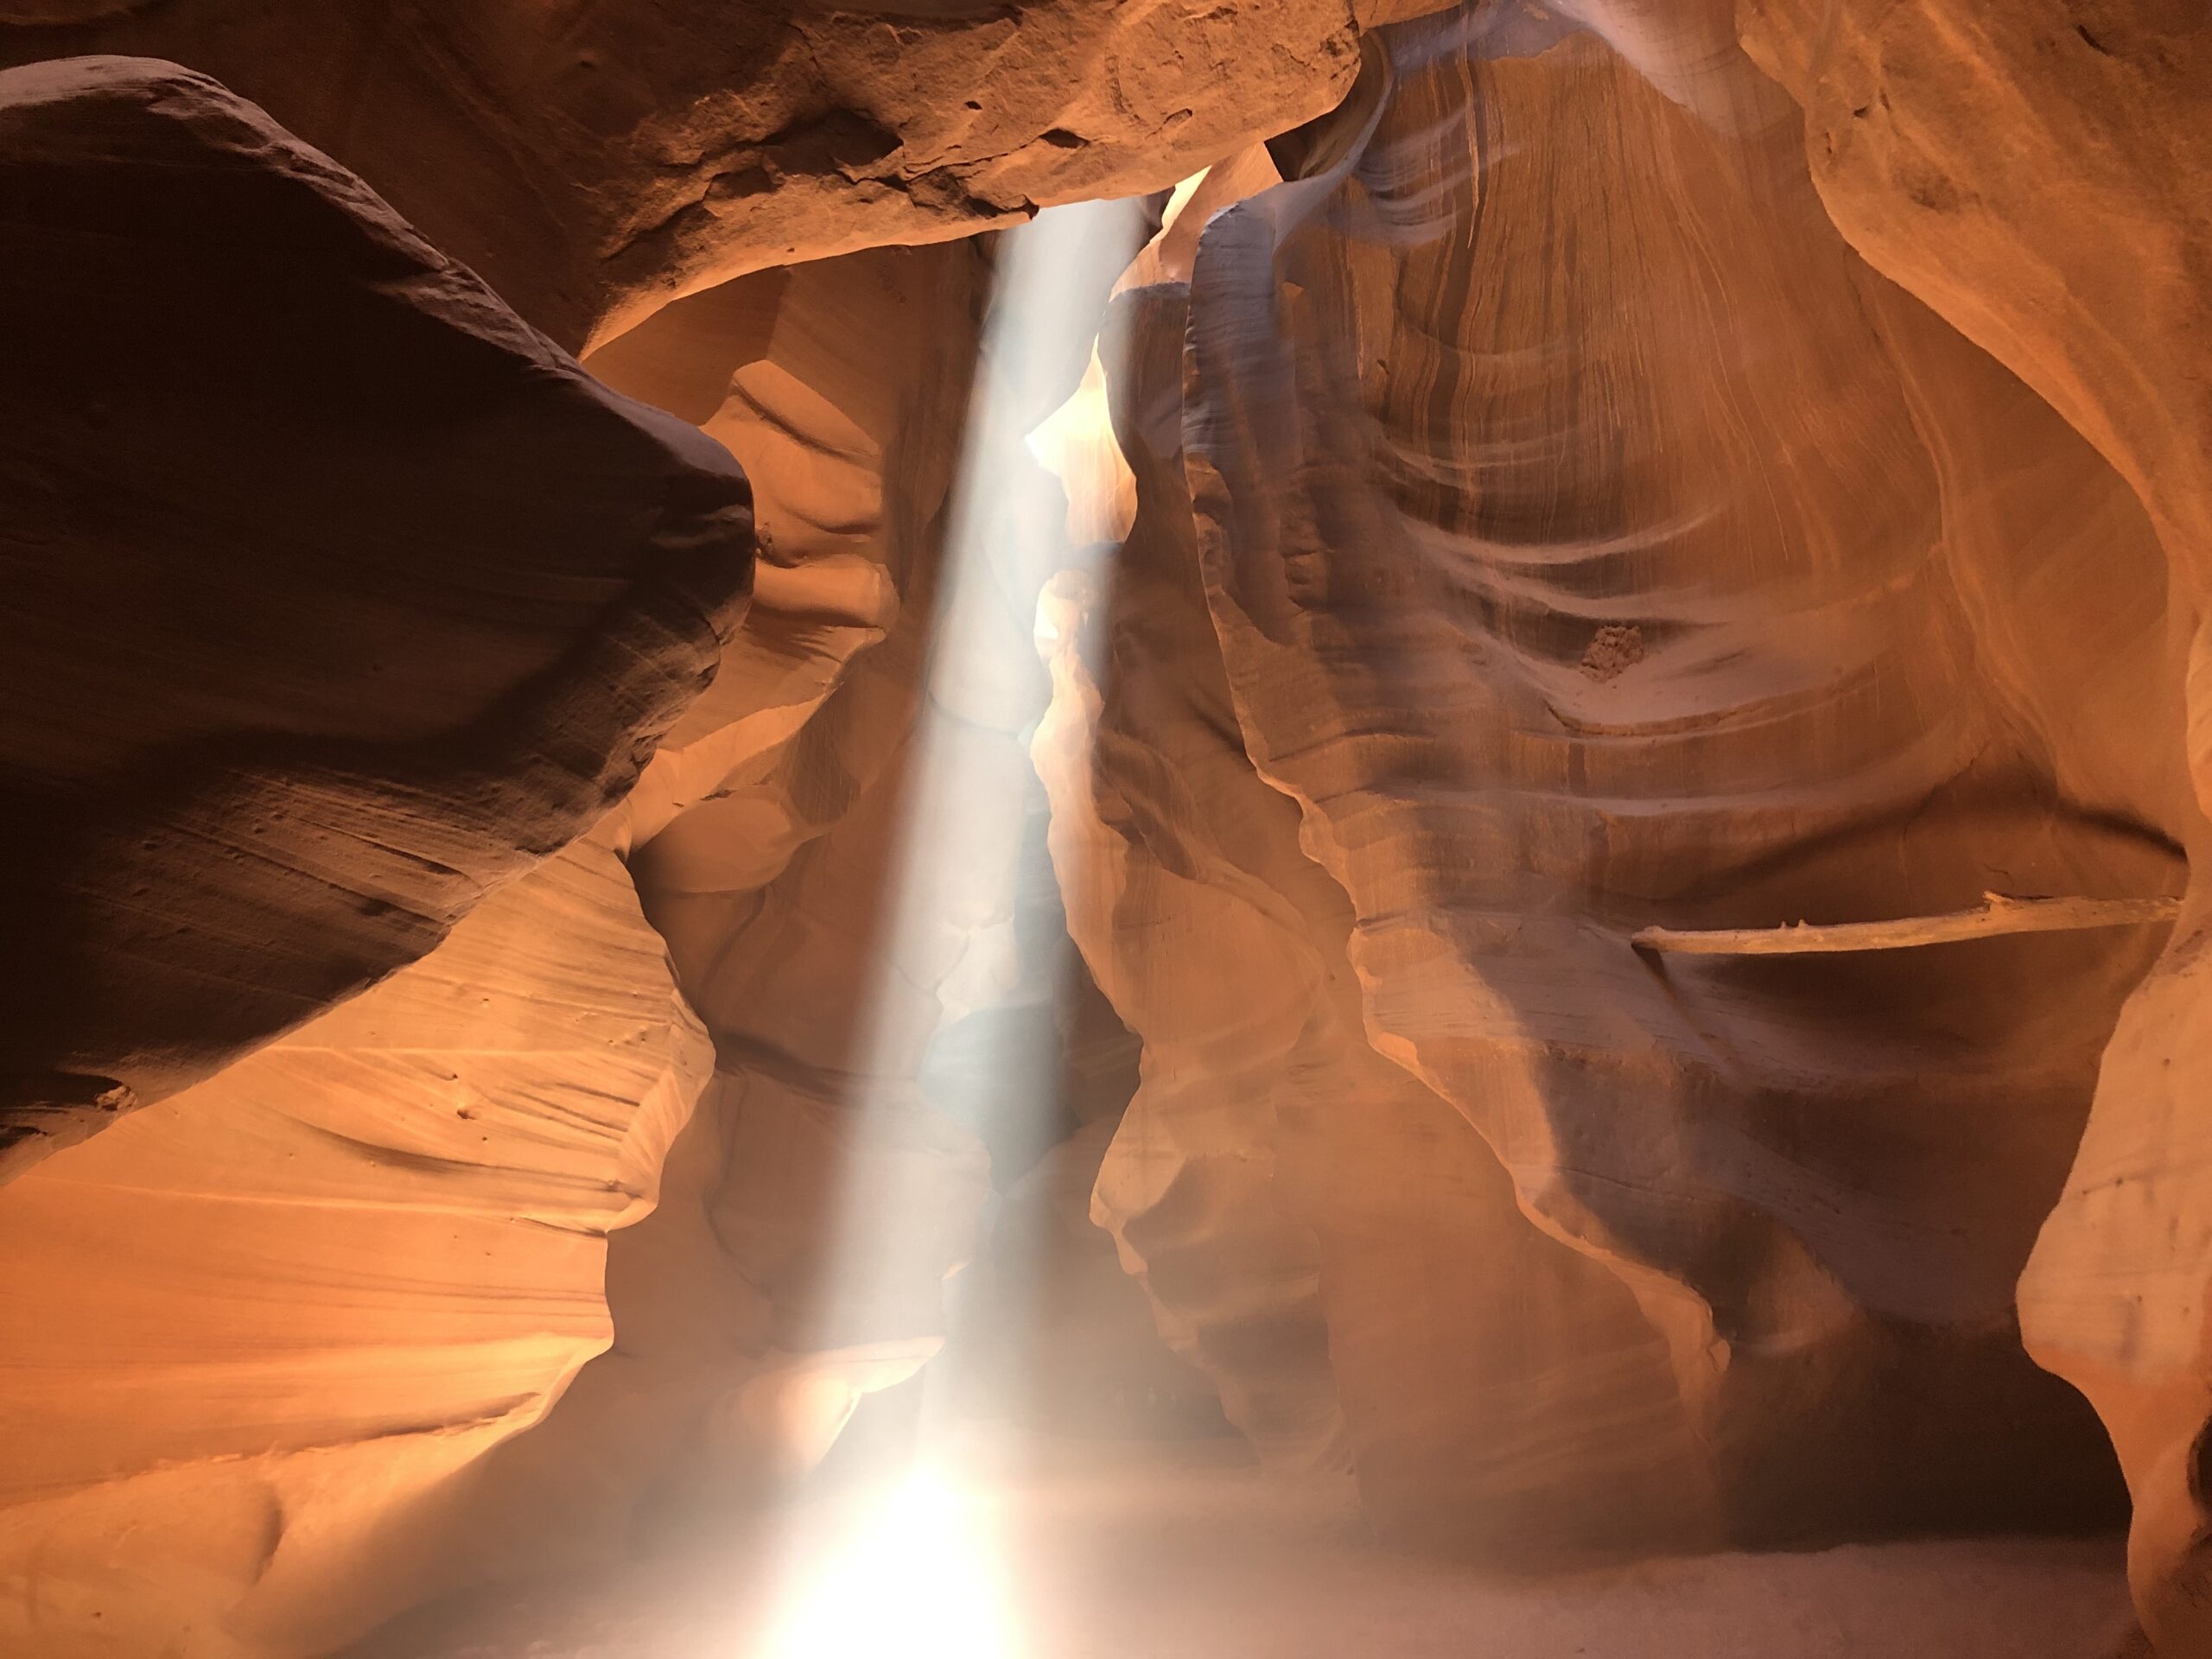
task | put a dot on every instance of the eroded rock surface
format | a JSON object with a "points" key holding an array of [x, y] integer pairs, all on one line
{"points": [[831, 842], [2036, 174], [1529, 363], [1573, 501], [269, 1331], [592, 163], [337, 594]]}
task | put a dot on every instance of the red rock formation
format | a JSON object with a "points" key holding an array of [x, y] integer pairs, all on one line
{"points": [[1621, 479], [1189, 1186], [1325, 1228], [592, 163], [338, 596], [776, 803], [2036, 174], [773, 894], [771, 840], [269, 1331], [1440, 437]]}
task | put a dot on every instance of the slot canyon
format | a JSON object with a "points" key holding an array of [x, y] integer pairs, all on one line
{"points": [[1105, 829]]}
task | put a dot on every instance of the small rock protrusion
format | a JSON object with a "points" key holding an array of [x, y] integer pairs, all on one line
{"points": [[1614, 650]]}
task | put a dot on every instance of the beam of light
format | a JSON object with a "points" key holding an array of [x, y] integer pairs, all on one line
{"points": [[916, 1574]]}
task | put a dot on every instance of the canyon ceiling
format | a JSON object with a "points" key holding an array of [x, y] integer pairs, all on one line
{"points": [[476, 488]]}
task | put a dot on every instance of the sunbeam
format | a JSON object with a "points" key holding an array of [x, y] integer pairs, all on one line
{"points": [[916, 1574], [912, 1568]]}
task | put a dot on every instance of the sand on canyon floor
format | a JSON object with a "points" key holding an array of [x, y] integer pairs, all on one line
{"points": [[1061, 1551]]}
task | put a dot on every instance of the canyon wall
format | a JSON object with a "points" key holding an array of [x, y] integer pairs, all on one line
{"points": [[1583, 473], [2037, 175], [337, 594], [289, 465], [268, 1330], [592, 163], [1561, 610], [1504, 554]]}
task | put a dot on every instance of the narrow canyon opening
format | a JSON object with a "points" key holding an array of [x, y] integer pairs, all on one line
{"points": [[1064, 830]]}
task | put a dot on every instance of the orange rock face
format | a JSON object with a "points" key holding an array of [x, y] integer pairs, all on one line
{"points": [[1145, 925], [325, 1284], [592, 163], [1431, 464], [1925, 125], [357, 658]]}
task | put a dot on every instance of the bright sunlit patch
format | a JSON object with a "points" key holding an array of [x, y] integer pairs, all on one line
{"points": [[1077, 445], [918, 1577], [1180, 198]]}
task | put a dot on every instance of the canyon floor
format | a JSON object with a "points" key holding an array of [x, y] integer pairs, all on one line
{"points": [[1180, 1552]]}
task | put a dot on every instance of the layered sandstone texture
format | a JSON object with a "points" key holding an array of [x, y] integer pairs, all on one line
{"points": [[1925, 125], [269, 1331], [594, 162], [832, 843], [337, 595], [339, 598], [1555, 609], [1139, 929]]}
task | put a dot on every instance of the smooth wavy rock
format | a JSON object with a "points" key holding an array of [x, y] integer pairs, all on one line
{"points": [[338, 595], [1583, 557], [768, 837], [773, 889], [594, 163], [765, 839], [1176, 936], [888, 916], [1332, 1242], [841, 385], [270, 1329], [2035, 174]]}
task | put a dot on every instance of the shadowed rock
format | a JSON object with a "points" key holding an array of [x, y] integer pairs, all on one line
{"points": [[595, 161], [337, 595]]}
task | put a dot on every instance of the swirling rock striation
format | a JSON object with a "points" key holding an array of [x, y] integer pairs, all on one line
{"points": [[338, 595], [1549, 362], [831, 842], [2036, 174], [592, 163], [1326, 1236], [270, 1331]]}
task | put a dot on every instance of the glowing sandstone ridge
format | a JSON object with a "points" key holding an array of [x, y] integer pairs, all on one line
{"points": [[1058, 829]]}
